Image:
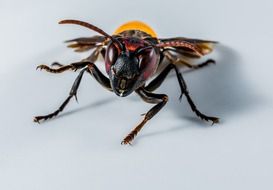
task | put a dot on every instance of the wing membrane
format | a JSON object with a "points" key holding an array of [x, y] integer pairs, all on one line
{"points": [[85, 44]]}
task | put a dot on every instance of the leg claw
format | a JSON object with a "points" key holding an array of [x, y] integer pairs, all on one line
{"points": [[214, 120], [126, 142], [37, 119], [41, 67], [180, 97]]}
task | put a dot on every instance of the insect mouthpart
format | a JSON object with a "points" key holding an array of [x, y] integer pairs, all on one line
{"points": [[122, 84], [124, 74]]}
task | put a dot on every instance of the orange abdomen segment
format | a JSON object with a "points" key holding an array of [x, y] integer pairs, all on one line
{"points": [[136, 25]]}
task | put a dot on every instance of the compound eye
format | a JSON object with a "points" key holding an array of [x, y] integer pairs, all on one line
{"points": [[111, 56], [148, 62], [144, 57]]}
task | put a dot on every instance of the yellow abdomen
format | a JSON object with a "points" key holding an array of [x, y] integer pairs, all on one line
{"points": [[136, 25]]}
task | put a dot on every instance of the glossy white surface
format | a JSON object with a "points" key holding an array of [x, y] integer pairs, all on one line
{"points": [[81, 148]]}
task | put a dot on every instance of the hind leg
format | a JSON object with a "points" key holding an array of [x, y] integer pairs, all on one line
{"points": [[176, 60]]}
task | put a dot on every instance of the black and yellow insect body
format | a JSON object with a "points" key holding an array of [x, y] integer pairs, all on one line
{"points": [[132, 56]]}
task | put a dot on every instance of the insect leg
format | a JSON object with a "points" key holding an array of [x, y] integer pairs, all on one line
{"points": [[92, 58], [156, 82], [73, 66], [185, 91], [175, 60], [94, 71], [194, 66], [100, 78], [73, 92], [203, 64], [159, 99], [183, 87]]}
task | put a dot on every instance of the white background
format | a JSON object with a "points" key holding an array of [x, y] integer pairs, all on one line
{"points": [[81, 148]]}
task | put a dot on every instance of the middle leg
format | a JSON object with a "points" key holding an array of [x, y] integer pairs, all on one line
{"points": [[154, 84]]}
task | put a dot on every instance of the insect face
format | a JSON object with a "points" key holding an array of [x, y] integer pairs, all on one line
{"points": [[124, 74], [129, 66]]}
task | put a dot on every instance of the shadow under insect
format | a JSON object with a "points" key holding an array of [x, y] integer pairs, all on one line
{"points": [[219, 90]]}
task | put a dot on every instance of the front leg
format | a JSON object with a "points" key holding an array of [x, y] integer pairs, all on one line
{"points": [[99, 76], [95, 72], [159, 99], [73, 92], [73, 66], [154, 84]]}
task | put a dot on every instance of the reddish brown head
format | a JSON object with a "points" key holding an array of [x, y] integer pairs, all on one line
{"points": [[130, 66]]}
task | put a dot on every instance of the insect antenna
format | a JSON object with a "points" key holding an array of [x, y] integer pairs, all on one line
{"points": [[94, 28]]}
